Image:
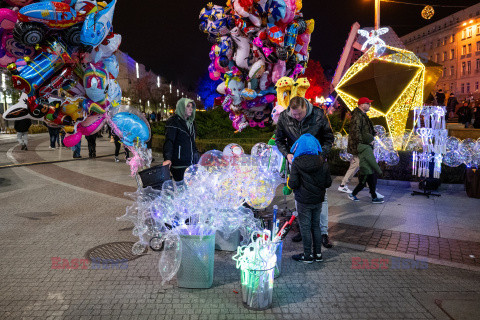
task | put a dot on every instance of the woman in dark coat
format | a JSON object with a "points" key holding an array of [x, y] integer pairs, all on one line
{"points": [[179, 149]]}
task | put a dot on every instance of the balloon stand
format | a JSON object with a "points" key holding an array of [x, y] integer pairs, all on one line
{"points": [[278, 266], [227, 243], [196, 267], [257, 288]]}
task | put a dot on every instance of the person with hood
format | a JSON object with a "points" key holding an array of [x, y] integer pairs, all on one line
{"points": [[179, 149], [465, 114], [22, 126], [299, 118], [360, 144], [451, 106], [308, 180]]}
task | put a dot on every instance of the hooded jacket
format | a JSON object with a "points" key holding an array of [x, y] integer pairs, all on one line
{"points": [[315, 122], [179, 146], [309, 177], [368, 163], [360, 128]]}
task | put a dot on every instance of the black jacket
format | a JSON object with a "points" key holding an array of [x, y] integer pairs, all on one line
{"points": [[440, 96], [361, 131], [22, 125], [452, 104], [179, 146], [309, 178], [315, 123]]}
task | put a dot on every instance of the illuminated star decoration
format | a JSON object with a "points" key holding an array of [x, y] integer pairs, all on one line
{"points": [[373, 38]]}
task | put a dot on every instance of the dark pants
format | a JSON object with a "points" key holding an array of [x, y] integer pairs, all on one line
{"points": [[371, 179], [117, 147], [309, 220], [54, 137], [178, 173], [76, 149], [92, 145]]}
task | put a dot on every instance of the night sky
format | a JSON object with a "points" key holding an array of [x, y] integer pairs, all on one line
{"points": [[164, 35]]}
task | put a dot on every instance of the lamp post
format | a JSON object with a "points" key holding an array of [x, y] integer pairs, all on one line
{"points": [[377, 14]]}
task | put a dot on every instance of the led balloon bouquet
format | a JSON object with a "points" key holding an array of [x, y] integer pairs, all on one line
{"points": [[184, 217]]}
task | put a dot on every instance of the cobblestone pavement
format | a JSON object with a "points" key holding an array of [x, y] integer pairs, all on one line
{"points": [[44, 218]]}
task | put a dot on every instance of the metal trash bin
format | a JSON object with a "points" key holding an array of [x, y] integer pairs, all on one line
{"points": [[227, 244], [278, 265], [257, 288], [196, 267]]}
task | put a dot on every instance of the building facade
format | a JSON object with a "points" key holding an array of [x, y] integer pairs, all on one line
{"points": [[453, 42]]}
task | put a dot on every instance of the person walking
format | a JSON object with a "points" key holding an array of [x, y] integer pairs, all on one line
{"points": [[179, 149], [299, 118], [22, 126], [451, 106], [76, 150], [116, 140], [465, 114], [440, 97], [476, 115], [92, 145], [360, 143], [309, 180], [54, 134]]}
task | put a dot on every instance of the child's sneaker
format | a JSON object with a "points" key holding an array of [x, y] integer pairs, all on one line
{"points": [[317, 257], [352, 197], [344, 189], [377, 200], [379, 195], [301, 258]]}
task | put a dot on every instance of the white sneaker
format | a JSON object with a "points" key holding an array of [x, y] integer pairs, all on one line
{"points": [[51, 148], [379, 195], [344, 189]]}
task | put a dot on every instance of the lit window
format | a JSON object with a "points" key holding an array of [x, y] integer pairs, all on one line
{"points": [[452, 53], [478, 29], [469, 32], [464, 50], [463, 68], [464, 34], [469, 67], [444, 55], [452, 70], [478, 45], [452, 38]]}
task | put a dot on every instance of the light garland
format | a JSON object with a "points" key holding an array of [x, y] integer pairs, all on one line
{"points": [[412, 95]]}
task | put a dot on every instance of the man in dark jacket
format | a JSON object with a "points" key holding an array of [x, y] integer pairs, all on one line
{"points": [[299, 118], [179, 149], [362, 133], [22, 126], [440, 97], [451, 105], [308, 179]]}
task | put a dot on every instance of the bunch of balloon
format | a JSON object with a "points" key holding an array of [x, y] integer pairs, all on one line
{"points": [[61, 57], [255, 43]]}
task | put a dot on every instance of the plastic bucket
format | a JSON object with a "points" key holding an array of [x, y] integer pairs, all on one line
{"points": [[257, 288], [155, 176], [196, 268], [227, 244]]}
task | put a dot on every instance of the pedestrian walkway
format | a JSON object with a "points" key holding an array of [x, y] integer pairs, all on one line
{"points": [[67, 210]]}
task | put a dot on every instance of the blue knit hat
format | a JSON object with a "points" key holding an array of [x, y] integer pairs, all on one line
{"points": [[306, 144]]}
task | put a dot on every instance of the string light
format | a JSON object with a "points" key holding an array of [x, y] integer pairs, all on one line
{"points": [[412, 95]]}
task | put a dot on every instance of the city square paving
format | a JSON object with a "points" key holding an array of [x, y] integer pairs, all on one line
{"points": [[427, 252]]}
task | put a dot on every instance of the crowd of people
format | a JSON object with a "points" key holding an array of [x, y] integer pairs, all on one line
{"points": [[466, 110], [304, 137]]}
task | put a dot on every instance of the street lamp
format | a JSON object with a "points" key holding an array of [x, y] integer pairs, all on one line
{"points": [[170, 88]]}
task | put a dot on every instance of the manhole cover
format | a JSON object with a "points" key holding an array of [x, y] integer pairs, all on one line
{"points": [[113, 252]]}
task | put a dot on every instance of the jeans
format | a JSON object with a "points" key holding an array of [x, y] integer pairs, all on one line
{"points": [[324, 216], [371, 179], [76, 149], [54, 137], [309, 220], [22, 137]]}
